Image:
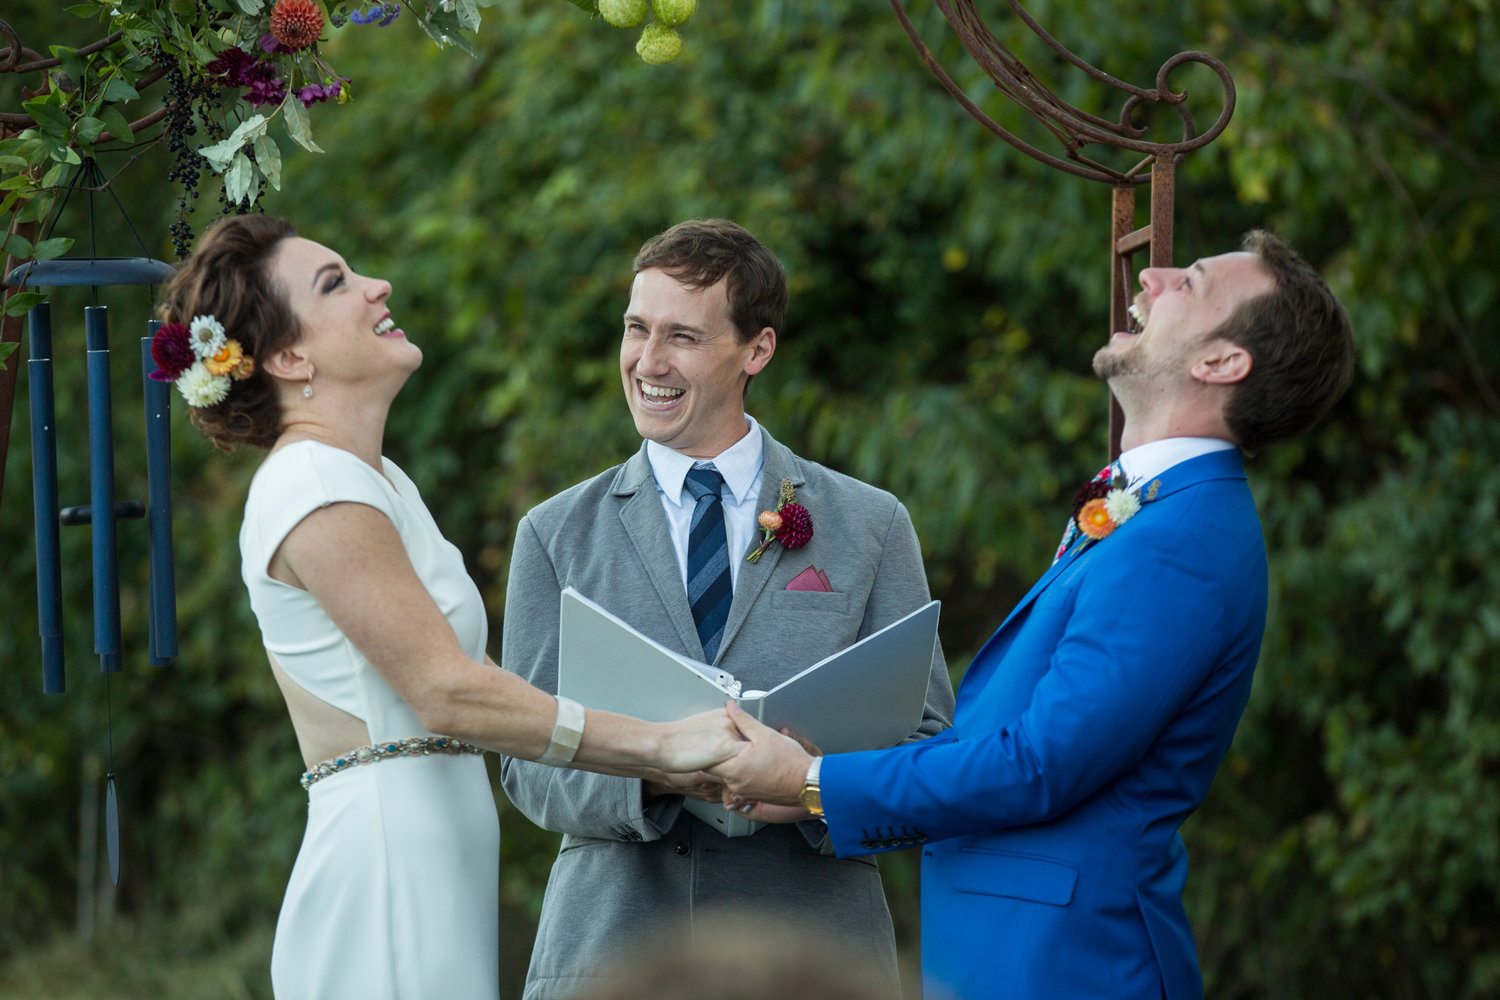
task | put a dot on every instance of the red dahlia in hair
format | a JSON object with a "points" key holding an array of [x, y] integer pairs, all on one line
{"points": [[796, 526], [296, 23], [172, 350]]}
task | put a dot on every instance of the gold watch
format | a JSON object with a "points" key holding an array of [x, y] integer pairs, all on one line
{"points": [[811, 796]]}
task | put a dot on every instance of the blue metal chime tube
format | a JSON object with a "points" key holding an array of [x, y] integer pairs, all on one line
{"points": [[102, 491], [163, 587], [44, 498]]}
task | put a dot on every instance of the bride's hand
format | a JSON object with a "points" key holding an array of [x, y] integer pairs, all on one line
{"points": [[698, 742]]}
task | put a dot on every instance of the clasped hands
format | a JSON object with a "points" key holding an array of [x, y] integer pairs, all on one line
{"points": [[760, 777]]}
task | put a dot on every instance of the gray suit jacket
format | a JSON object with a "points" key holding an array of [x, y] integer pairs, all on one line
{"points": [[627, 867]]}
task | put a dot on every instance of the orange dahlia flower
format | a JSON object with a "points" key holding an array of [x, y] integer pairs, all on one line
{"points": [[1094, 520]]}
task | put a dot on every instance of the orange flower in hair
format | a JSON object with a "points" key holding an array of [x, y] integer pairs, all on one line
{"points": [[226, 360]]}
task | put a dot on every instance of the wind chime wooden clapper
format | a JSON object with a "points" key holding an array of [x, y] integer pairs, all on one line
{"points": [[97, 272], [1075, 130]]}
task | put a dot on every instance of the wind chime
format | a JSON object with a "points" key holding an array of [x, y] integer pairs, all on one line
{"points": [[1076, 130], [103, 510]]}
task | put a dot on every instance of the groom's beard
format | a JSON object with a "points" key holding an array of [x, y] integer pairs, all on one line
{"points": [[1109, 364]]}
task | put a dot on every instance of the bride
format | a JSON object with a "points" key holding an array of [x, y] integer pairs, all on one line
{"points": [[373, 628]]}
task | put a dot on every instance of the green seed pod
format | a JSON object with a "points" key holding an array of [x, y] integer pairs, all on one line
{"points": [[658, 44], [623, 13], [673, 12]]}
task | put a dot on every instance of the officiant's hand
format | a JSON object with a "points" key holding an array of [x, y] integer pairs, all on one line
{"points": [[697, 785], [762, 813], [769, 770]]}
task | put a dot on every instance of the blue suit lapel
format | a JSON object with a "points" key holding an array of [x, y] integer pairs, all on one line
{"points": [[1226, 464]]}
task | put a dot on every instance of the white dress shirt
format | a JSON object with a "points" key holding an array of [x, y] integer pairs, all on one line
{"points": [[741, 465], [1144, 462]]}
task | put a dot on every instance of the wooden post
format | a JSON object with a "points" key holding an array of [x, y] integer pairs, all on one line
{"points": [[1125, 242], [10, 333]]}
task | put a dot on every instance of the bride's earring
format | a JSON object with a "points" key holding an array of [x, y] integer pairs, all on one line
{"points": [[307, 389]]}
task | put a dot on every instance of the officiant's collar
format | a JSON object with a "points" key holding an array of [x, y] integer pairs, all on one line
{"points": [[739, 464]]}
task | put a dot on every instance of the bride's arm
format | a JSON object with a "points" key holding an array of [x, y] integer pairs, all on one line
{"points": [[349, 556]]}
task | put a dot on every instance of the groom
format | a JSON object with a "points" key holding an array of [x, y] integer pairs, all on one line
{"points": [[1090, 725], [661, 541]]}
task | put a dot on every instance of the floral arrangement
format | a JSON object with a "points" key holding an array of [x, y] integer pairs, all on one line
{"points": [[1102, 505], [231, 68], [790, 523], [200, 359]]}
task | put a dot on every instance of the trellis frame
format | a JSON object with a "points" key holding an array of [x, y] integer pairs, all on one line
{"points": [[1076, 130]]}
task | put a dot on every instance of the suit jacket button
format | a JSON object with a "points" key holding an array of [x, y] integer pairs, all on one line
{"points": [[682, 848]]}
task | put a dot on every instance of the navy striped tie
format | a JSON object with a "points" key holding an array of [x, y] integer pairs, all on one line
{"points": [[708, 588]]}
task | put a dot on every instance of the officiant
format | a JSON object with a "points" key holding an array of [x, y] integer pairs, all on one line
{"points": [[719, 542]]}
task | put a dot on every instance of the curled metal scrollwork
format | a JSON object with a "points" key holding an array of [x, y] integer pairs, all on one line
{"points": [[1073, 128], [16, 58]]}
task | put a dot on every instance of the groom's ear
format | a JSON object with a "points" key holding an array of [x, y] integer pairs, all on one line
{"points": [[1222, 362]]}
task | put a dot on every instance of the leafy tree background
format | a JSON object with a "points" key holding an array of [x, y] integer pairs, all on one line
{"points": [[946, 296]]}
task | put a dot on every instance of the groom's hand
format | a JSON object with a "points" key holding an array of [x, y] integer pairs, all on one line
{"points": [[770, 769]]}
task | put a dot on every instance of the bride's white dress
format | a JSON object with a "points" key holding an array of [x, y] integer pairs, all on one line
{"points": [[394, 891]]}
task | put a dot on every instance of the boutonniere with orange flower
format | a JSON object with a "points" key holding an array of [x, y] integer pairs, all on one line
{"points": [[790, 523], [1101, 507]]}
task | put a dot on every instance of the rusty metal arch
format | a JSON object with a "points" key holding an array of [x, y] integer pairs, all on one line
{"points": [[1075, 130]]}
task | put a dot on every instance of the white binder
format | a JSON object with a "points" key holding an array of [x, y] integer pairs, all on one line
{"points": [[866, 696]]}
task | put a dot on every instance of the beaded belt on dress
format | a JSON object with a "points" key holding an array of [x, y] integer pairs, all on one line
{"points": [[412, 746]]}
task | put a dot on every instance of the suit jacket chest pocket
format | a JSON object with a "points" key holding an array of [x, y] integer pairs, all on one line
{"points": [[809, 624], [795, 603]]}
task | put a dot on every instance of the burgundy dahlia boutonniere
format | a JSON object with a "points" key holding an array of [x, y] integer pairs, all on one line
{"points": [[790, 523]]}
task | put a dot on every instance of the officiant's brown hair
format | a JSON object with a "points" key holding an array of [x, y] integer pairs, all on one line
{"points": [[700, 252]]}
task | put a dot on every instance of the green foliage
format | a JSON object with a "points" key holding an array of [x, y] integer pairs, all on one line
{"points": [[946, 296]]}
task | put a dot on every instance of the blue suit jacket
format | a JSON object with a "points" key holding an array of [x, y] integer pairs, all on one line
{"points": [[1087, 729]]}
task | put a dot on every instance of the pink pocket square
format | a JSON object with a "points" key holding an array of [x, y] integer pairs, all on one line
{"points": [[811, 578]]}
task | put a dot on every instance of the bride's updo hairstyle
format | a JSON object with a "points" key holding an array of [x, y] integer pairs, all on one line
{"points": [[229, 278]]}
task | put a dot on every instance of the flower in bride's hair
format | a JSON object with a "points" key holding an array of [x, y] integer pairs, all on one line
{"points": [[244, 369], [172, 350], [227, 360], [207, 336], [200, 387]]}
